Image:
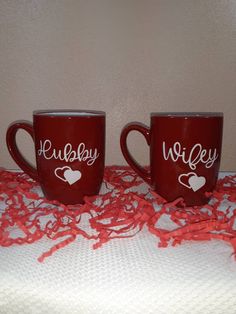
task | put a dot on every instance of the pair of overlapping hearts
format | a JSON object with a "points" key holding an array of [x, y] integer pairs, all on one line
{"points": [[190, 180]]}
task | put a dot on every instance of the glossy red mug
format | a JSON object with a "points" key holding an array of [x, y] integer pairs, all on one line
{"points": [[185, 151], [69, 149]]}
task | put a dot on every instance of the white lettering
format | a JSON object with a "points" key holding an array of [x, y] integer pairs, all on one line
{"points": [[68, 154], [197, 154]]}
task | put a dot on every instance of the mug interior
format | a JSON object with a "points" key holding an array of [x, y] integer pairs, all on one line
{"points": [[187, 114], [68, 113]]}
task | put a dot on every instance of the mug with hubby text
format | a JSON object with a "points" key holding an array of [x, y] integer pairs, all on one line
{"points": [[69, 149], [185, 151]]}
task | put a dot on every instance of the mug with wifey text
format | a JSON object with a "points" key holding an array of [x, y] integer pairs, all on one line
{"points": [[185, 151], [69, 149]]}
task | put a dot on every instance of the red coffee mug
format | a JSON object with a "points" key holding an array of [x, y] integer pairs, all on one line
{"points": [[185, 150], [70, 150]]}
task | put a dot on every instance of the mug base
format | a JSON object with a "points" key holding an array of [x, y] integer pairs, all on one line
{"points": [[75, 199], [187, 201]]}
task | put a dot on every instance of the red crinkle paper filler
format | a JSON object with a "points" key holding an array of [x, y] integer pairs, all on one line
{"points": [[124, 207]]}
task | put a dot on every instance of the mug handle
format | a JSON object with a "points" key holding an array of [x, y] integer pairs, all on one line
{"points": [[145, 131], [14, 151]]}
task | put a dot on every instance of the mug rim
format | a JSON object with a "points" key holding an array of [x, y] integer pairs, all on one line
{"points": [[68, 113], [187, 114]]}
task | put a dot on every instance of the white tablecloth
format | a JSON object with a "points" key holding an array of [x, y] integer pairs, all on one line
{"points": [[123, 276]]}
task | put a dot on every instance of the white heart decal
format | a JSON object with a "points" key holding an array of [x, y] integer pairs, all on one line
{"points": [[192, 181], [72, 176], [196, 182], [69, 175], [184, 179], [60, 174]]}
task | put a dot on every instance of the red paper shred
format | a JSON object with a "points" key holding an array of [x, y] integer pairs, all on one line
{"points": [[124, 207]]}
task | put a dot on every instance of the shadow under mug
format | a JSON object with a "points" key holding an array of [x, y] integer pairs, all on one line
{"points": [[69, 149], [185, 151]]}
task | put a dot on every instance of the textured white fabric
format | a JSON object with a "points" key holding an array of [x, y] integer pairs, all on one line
{"points": [[123, 277]]}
